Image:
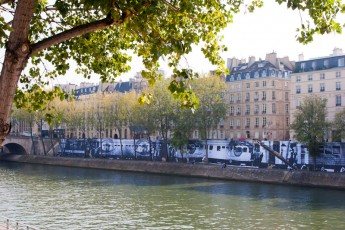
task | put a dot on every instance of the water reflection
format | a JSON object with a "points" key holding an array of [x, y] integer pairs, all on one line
{"points": [[52, 197]]}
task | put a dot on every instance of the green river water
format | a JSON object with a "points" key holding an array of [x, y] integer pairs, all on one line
{"points": [[51, 197]]}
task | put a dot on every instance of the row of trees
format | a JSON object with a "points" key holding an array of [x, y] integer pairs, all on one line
{"points": [[115, 113], [118, 112]]}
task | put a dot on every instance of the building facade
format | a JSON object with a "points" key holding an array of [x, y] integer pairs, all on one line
{"points": [[324, 77], [258, 97]]}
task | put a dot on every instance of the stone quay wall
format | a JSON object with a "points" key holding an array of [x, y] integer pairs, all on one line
{"points": [[275, 176]]}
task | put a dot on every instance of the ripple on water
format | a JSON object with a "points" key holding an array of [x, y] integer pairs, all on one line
{"points": [[64, 198]]}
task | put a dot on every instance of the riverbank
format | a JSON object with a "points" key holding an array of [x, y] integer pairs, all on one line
{"points": [[275, 176]]}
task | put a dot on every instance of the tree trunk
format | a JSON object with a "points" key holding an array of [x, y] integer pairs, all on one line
{"points": [[16, 57], [19, 49]]}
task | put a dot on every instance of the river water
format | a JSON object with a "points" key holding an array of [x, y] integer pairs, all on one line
{"points": [[52, 197]]}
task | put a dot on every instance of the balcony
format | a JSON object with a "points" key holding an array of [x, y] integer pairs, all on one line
{"points": [[247, 113], [247, 99], [256, 99]]}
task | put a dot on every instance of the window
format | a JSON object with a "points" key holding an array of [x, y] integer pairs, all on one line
{"points": [[337, 86], [239, 97], [263, 73], [263, 108], [297, 103], [310, 88], [239, 110], [238, 123], [273, 108], [264, 95], [231, 123], [286, 96], [256, 84], [322, 87], [239, 87], [303, 65], [322, 76], [298, 89], [247, 109], [256, 96], [247, 85], [337, 74], [287, 121], [264, 121], [273, 95], [256, 122], [247, 96], [310, 77], [256, 109], [287, 108], [313, 65], [247, 122], [326, 63], [231, 98], [196, 134], [273, 83], [231, 110], [263, 83], [341, 62], [338, 100], [298, 78]]}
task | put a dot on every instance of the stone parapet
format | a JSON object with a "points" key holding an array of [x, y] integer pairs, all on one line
{"points": [[275, 176]]}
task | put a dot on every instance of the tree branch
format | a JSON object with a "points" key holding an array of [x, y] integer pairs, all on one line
{"points": [[76, 32], [3, 2]]}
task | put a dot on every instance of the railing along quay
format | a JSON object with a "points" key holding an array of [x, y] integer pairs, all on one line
{"points": [[8, 224]]}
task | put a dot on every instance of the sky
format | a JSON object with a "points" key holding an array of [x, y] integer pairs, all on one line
{"points": [[270, 28]]}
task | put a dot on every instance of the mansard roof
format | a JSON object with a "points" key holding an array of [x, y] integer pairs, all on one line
{"points": [[86, 90], [323, 63], [258, 69], [123, 87]]}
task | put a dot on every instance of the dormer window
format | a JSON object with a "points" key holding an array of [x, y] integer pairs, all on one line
{"points": [[256, 75], [264, 73], [272, 72]]}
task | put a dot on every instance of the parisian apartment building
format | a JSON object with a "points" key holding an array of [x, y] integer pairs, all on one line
{"points": [[259, 98], [322, 76]]}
